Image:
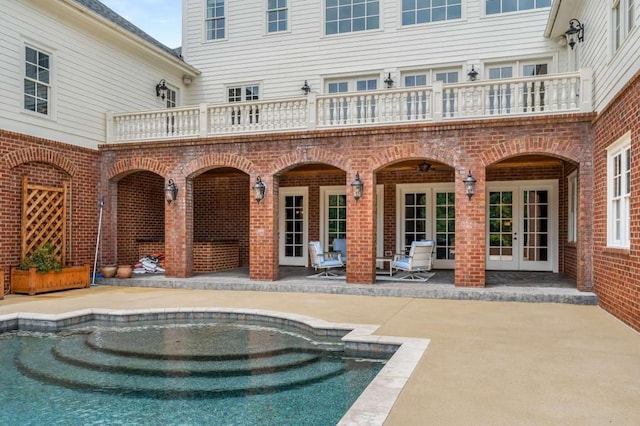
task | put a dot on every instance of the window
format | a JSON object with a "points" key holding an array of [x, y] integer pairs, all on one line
{"points": [[37, 81], [572, 201], [619, 192], [505, 6], [346, 16], [623, 21], [422, 11], [364, 108], [500, 93], [277, 15], [244, 113], [215, 21], [533, 93], [448, 95], [417, 106]]}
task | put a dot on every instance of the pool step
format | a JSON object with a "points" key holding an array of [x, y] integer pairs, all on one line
{"points": [[37, 360], [74, 350]]}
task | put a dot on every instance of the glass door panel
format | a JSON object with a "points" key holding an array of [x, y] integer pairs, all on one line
{"points": [[535, 230], [293, 227], [445, 225], [415, 218]]}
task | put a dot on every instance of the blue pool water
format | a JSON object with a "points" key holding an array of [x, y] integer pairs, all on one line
{"points": [[218, 373]]}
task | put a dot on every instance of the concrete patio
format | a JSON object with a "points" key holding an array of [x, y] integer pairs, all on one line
{"points": [[492, 363]]}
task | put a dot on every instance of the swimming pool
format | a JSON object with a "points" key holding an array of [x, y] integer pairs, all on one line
{"points": [[96, 367]]}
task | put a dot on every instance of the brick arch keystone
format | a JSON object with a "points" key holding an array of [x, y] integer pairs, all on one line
{"points": [[566, 150], [123, 167], [217, 159], [402, 152], [40, 155], [311, 155]]}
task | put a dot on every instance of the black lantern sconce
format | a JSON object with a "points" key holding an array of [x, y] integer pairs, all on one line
{"points": [[305, 88], [575, 33], [470, 184], [357, 186], [259, 189], [388, 81], [170, 191], [473, 74], [161, 89]]}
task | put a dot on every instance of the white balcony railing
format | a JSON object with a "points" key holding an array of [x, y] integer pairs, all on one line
{"points": [[548, 94]]}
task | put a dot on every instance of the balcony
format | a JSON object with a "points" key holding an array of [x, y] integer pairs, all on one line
{"points": [[516, 97]]}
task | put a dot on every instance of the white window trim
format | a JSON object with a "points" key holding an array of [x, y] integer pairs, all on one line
{"points": [[325, 191], [323, 23], [618, 148], [294, 191], [625, 28], [572, 207], [204, 23], [533, 10], [52, 110], [266, 19]]}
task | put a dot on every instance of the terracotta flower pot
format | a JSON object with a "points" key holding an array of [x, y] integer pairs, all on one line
{"points": [[109, 271], [125, 271]]}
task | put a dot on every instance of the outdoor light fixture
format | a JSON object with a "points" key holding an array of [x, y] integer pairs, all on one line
{"points": [[161, 89], [305, 88], [470, 184], [259, 189], [170, 191], [575, 33], [424, 167], [473, 74], [388, 81], [357, 187]]}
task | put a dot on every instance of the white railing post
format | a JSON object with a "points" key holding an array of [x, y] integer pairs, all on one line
{"points": [[108, 127], [586, 90], [204, 120], [312, 110], [438, 88]]}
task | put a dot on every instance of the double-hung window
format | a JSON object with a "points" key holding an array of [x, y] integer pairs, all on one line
{"points": [[622, 20], [277, 16], [37, 81], [346, 16], [506, 6], [423, 11], [244, 114], [215, 20], [619, 193]]}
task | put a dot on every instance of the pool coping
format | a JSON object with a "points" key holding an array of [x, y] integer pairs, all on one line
{"points": [[372, 406]]}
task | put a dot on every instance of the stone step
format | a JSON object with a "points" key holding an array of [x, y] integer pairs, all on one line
{"points": [[36, 360], [73, 350]]}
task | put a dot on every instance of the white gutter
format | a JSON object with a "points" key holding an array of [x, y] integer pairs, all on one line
{"points": [[553, 15]]}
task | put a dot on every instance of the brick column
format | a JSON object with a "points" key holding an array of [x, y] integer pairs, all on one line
{"points": [[361, 231], [470, 230], [263, 232], [178, 230], [584, 279]]}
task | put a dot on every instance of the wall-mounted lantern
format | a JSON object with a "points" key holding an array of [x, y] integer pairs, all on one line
{"points": [[388, 81], [473, 74], [470, 185], [170, 191], [305, 88], [575, 33], [161, 89], [259, 189], [357, 186]]}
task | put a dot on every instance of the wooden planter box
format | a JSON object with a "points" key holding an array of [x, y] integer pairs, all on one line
{"points": [[31, 282]]}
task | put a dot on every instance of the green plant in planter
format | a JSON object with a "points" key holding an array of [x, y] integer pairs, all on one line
{"points": [[44, 259]]}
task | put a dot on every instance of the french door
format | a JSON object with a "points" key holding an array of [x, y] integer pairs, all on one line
{"points": [[294, 225], [522, 226]]}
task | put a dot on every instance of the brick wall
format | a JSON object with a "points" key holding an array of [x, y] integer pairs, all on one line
{"points": [[48, 163], [616, 272]]}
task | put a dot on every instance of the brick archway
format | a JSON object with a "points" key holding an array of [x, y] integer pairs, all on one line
{"points": [[567, 150], [223, 160], [414, 150], [312, 155], [124, 167], [40, 155]]}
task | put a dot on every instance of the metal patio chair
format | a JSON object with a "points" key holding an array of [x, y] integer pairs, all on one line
{"points": [[416, 262], [325, 261]]}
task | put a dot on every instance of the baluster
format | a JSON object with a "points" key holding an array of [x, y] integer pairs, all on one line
{"points": [[564, 95], [574, 95]]}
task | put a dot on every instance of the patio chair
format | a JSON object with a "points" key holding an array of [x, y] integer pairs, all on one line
{"points": [[325, 261], [340, 245], [417, 262]]}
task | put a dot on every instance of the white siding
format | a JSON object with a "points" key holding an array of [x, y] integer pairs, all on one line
{"points": [[611, 71], [94, 70], [282, 61]]}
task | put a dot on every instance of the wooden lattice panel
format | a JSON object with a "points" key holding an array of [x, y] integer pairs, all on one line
{"points": [[44, 213]]}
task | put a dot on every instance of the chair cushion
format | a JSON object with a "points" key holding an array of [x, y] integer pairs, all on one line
{"points": [[329, 263]]}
